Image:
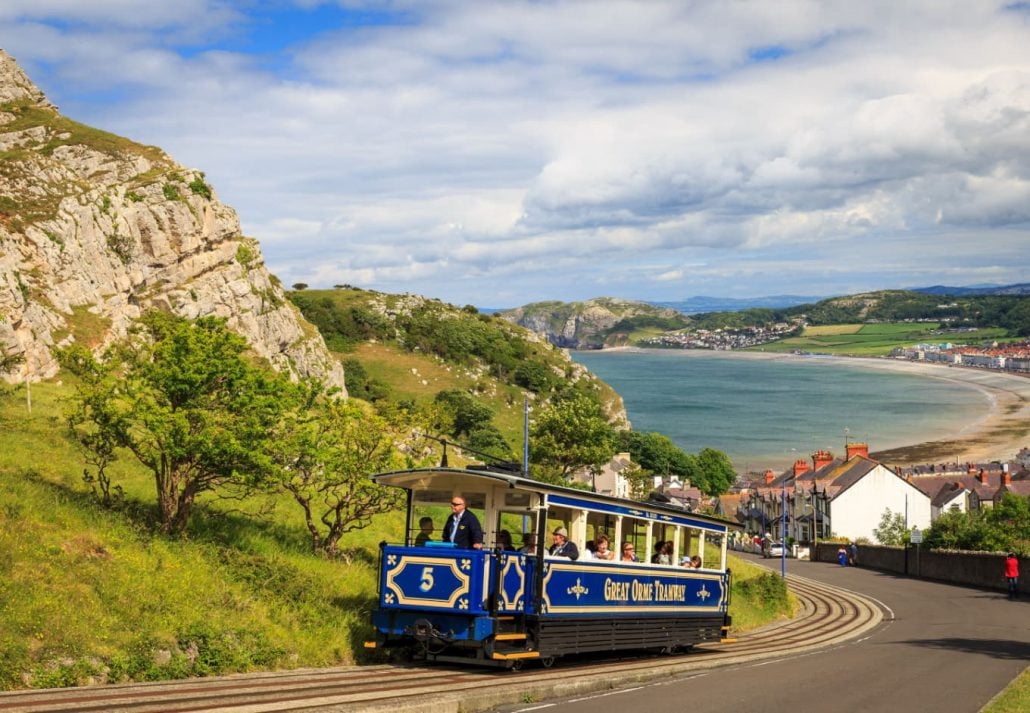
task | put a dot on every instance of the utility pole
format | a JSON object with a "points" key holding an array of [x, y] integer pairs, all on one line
{"points": [[783, 530]]}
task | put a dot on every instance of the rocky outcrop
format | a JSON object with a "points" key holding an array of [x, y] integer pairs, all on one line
{"points": [[95, 229], [587, 325]]}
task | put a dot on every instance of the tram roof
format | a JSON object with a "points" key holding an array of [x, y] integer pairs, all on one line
{"points": [[419, 478]]}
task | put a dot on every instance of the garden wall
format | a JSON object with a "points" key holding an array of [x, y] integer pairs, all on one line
{"points": [[975, 569]]}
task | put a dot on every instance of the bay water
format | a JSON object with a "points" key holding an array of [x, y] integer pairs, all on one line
{"points": [[765, 413]]}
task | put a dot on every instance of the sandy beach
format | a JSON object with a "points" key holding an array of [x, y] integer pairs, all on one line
{"points": [[999, 436]]}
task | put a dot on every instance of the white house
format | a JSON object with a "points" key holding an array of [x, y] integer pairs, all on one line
{"points": [[861, 490]]}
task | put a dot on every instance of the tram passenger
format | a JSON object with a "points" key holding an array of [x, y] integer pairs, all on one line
{"points": [[695, 562], [462, 527], [504, 541], [663, 552], [528, 544], [562, 547], [425, 531], [602, 551], [629, 553]]}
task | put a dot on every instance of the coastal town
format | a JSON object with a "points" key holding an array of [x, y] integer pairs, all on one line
{"points": [[829, 496], [723, 339]]}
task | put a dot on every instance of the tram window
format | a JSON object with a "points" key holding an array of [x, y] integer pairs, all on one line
{"points": [[516, 500], [516, 523]]}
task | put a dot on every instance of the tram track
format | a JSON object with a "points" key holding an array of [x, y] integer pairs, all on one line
{"points": [[827, 616]]}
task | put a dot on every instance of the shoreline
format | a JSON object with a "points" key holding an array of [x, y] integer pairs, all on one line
{"points": [[996, 437]]}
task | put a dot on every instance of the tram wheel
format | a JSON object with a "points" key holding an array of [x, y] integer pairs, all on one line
{"points": [[516, 665], [547, 661]]}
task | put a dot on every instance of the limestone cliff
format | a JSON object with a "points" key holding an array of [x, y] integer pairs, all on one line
{"points": [[595, 323], [95, 229]]}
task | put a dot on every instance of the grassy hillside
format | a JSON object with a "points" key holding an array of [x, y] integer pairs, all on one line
{"points": [[412, 348], [94, 595]]}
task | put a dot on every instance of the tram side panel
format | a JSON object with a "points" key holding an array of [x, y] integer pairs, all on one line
{"points": [[456, 599], [610, 606], [449, 597]]}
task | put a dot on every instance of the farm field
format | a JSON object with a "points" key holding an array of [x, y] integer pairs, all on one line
{"points": [[874, 339]]}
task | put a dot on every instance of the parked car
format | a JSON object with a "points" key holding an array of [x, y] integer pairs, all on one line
{"points": [[775, 549]]}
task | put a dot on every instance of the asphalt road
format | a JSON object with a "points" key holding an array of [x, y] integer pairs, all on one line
{"points": [[940, 649]]}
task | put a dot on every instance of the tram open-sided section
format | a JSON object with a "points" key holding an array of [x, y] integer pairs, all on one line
{"points": [[496, 605]]}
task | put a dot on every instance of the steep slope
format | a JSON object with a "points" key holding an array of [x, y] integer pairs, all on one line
{"points": [[95, 229]]}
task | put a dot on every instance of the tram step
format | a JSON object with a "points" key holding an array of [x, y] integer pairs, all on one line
{"points": [[497, 656], [509, 637]]}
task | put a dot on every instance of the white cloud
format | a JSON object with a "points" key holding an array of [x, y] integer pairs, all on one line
{"points": [[502, 152]]}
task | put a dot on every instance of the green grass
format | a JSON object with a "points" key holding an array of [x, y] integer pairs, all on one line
{"points": [[759, 596], [1014, 699], [89, 594], [873, 339]]}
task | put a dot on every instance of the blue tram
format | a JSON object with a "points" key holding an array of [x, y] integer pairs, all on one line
{"points": [[500, 606]]}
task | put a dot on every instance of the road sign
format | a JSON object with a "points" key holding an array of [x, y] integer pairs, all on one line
{"points": [[916, 537]]}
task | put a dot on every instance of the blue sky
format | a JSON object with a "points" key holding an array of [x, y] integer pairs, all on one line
{"points": [[498, 153]]}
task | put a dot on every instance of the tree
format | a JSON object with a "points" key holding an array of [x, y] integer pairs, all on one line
{"points": [[715, 472], [570, 435], [892, 531], [1003, 528], [487, 439], [8, 363], [181, 397], [96, 420], [462, 413], [324, 455], [300, 286], [656, 453]]}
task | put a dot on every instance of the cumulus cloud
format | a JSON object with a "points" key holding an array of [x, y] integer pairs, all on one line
{"points": [[504, 152]]}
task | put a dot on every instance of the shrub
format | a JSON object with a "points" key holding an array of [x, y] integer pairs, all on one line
{"points": [[200, 188]]}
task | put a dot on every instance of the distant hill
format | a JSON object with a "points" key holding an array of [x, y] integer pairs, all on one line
{"points": [[596, 323], [1008, 311], [702, 303], [607, 322], [1022, 288]]}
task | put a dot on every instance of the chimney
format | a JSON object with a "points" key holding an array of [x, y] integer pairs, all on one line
{"points": [[1006, 479], [770, 476], [970, 469], [801, 466], [982, 477], [858, 449], [821, 459], [897, 470]]}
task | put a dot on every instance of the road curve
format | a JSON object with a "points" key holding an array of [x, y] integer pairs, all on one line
{"points": [[828, 615]]}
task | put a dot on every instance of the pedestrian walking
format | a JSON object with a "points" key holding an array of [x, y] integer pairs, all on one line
{"points": [[852, 554], [842, 556], [1012, 574]]}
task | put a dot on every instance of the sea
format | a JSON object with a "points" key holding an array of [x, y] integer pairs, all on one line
{"points": [[766, 413]]}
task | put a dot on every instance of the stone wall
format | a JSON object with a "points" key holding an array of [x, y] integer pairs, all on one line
{"points": [[975, 569]]}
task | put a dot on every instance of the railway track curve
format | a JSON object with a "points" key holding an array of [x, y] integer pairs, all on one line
{"points": [[828, 616]]}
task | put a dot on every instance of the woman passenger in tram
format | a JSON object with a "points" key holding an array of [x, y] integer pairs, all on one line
{"points": [[629, 553], [601, 548]]}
